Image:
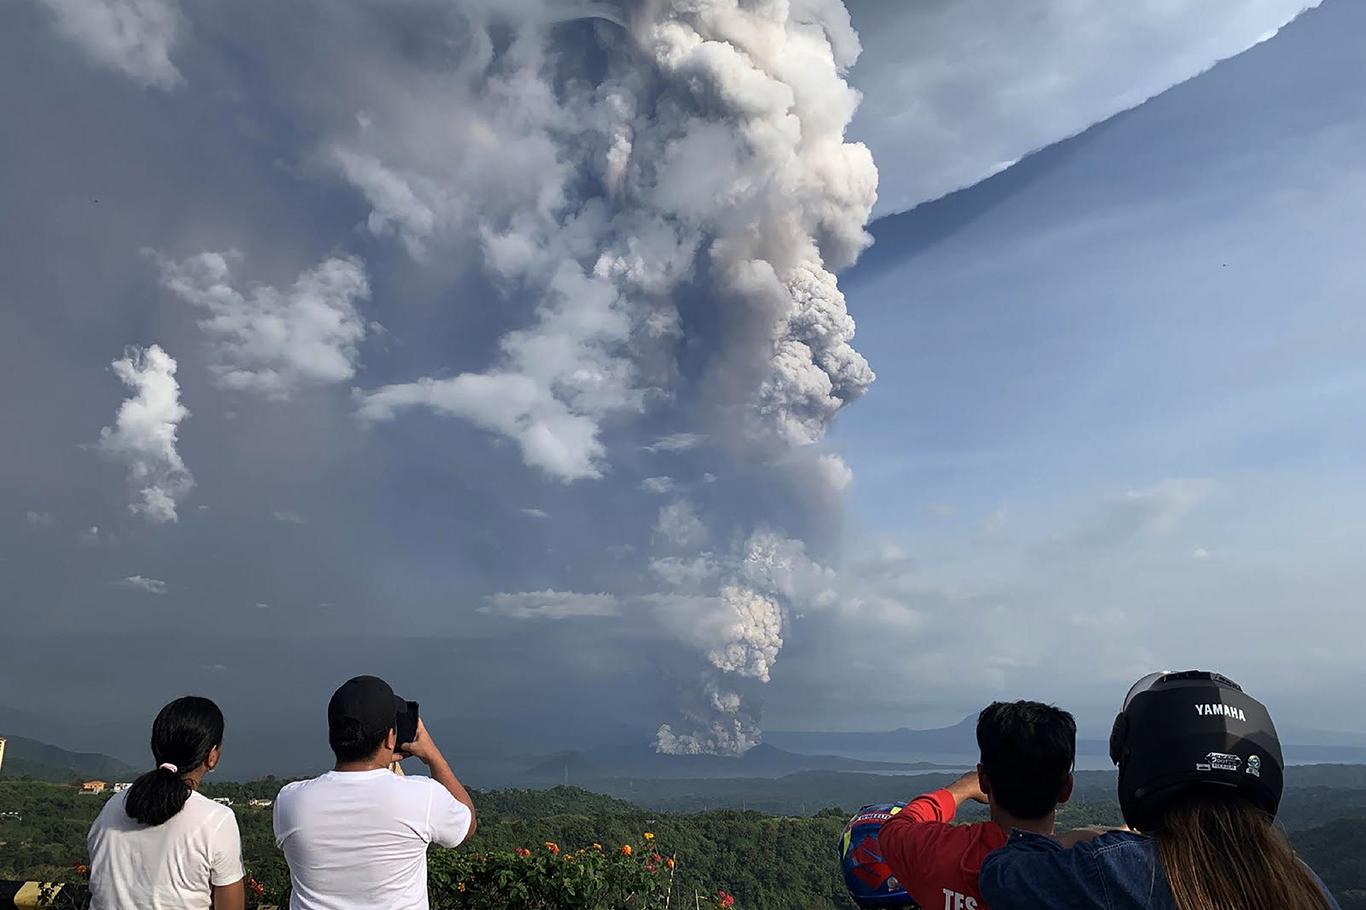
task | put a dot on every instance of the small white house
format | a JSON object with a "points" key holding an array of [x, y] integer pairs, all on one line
{"points": [[223, 800], [121, 786], [260, 803]]}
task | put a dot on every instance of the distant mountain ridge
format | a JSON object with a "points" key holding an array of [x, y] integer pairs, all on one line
{"points": [[959, 738], [1300, 745], [30, 758], [764, 760]]}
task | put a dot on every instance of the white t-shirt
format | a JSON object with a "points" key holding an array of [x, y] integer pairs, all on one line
{"points": [[357, 840], [170, 866]]}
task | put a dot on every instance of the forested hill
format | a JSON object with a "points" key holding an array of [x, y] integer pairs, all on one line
{"points": [[31, 758]]}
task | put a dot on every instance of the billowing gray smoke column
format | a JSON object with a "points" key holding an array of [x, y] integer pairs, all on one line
{"points": [[693, 180]]}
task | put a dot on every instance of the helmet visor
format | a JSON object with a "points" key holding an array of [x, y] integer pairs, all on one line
{"points": [[1143, 685]]}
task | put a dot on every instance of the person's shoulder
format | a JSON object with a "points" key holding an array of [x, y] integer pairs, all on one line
{"points": [[113, 811], [418, 785], [297, 790], [1119, 842], [207, 812]]}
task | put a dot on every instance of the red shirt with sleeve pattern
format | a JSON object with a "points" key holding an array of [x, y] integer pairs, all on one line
{"points": [[937, 862]]}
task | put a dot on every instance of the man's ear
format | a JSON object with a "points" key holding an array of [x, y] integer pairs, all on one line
{"points": [[983, 780], [1066, 793], [214, 755], [391, 741]]}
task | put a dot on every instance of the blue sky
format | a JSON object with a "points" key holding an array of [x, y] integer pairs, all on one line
{"points": [[1171, 297], [542, 399]]}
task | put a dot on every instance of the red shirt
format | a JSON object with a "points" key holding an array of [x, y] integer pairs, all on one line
{"points": [[936, 862]]}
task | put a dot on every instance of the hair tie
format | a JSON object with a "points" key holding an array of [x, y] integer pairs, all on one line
{"points": [[169, 767]]}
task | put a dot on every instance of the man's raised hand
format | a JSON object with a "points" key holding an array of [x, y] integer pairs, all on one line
{"points": [[421, 748], [968, 787]]}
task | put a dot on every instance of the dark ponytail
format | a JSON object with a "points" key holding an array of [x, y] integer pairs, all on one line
{"points": [[183, 735]]}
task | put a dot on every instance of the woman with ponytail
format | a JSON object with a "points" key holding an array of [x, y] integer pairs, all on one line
{"points": [[161, 845]]}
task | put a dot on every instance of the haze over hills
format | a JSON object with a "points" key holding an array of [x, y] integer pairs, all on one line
{"points": [[26, 757], [763, 761], [1300, 745]]}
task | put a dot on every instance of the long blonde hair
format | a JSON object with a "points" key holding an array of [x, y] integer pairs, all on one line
{"points": [[1222, 853]]}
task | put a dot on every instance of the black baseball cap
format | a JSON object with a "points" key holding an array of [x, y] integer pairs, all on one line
{"points": [[364, 708]]}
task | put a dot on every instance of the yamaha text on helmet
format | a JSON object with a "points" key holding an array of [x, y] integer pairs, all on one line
{"points": [[1178, 731], [868, 879]]}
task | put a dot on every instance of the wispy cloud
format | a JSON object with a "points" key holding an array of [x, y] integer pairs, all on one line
{"points": [[39, 519], [142, 583], [551, 605], [1153, 510], [133, 37], [658, 484], [677, 442]]}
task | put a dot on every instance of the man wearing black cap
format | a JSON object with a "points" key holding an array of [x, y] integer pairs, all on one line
{"points": [[356, 837]]}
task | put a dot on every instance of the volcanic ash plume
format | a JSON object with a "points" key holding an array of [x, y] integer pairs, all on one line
{"points": [[676, 208], [699, 184]]}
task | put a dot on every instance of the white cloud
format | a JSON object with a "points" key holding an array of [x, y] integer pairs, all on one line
{"points": [[551, 605], [686, 574], [1199, 553], [143, 436], [563, 444], [39, 519], [679, 526], [994, 524], [274, 342], [535, 513], [290, 517], [659, 485], [677, 442], [150, 585], [134, 37], [954, 92]]}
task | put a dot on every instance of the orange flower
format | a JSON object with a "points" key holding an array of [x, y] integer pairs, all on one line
{"points": [[553, 847], [670, 863], [81, 869], [523, 852], [626, 850], [460, 886]]}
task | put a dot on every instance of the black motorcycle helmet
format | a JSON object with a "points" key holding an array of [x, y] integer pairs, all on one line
{"points": [[1194, 729]]}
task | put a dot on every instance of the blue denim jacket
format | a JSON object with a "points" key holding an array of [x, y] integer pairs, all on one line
{"points": [[1116, 871]]}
